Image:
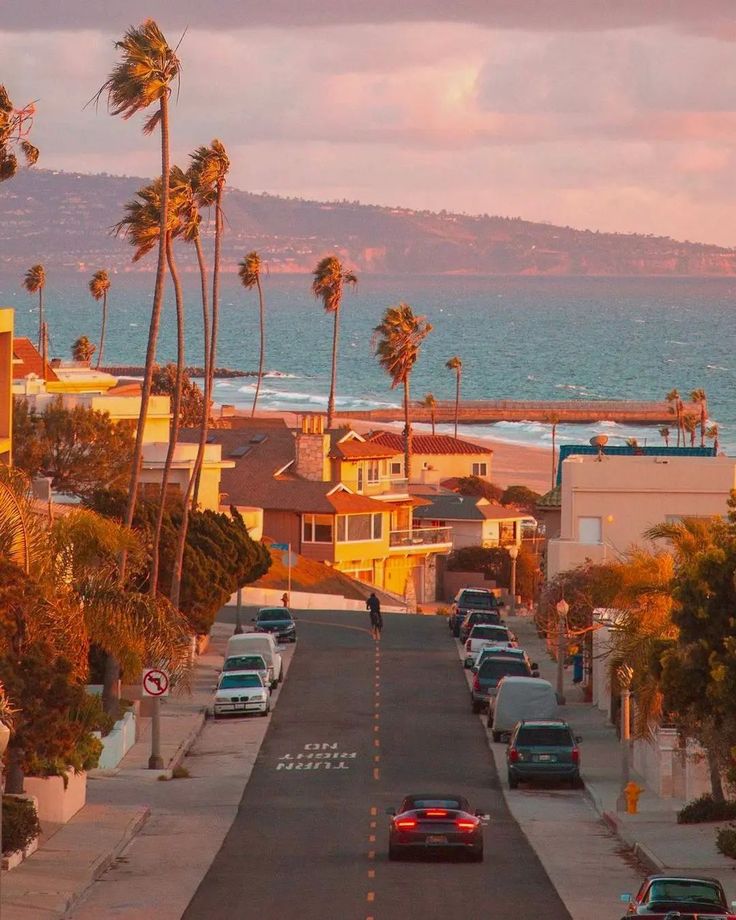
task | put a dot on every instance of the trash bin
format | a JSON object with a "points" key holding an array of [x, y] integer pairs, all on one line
{"points": [[577, 668]]}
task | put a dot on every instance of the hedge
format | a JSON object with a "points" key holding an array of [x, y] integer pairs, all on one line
{"points": [[20, 823], [705, 809]]}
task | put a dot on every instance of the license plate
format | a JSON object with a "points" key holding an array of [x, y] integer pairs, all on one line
{"points": [[545, 757], [435, 839]]}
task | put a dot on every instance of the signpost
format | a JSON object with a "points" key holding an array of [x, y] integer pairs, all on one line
{"points": [[156, 684], [289, 560]]}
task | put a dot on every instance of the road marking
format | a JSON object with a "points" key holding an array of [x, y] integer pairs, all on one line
{"points": [[371, 838], [376, 773], [376, 742], [371, 873], [376, 758], [337, 625], [374, 810], [371, 854], [377, 715], [375, 728], [371, 896], [373, 823]]}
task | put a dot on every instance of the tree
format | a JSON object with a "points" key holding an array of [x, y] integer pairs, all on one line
{"points": [[673, 398], [495, 563], [143, 77], [330, 279], [99, 285], [83, 349], [250, 277], [29, 445], [665, 435], [521, 496], [456, 365], [474, 485], [191, 404], [712, 434], [429, 402], [397, 340], [553, 419], [15, 127], [34, 282], [701, 400], [690, 425]]}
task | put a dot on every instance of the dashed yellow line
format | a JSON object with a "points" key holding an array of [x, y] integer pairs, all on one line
{"points": [[371, 896], [371, 854], [376, 758], [373, 824], [374, 810], [371, 873], [371, 838], [376, 773], [376, 742]]}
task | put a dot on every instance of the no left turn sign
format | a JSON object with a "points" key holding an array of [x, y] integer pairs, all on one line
{"points": [[155, 682]]}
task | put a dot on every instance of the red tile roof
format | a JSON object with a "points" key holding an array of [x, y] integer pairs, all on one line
{"points": [[348, 503], [27, 360], [428, 443], [361, 450]]}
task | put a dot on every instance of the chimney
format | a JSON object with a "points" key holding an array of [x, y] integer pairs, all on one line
{"points": [[312, 449]]}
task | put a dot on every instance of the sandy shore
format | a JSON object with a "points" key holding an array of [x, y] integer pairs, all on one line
{"points": [[513, 464]]}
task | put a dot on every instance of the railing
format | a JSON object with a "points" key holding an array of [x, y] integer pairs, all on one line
{"points": [[421, 536], [385, 486]]}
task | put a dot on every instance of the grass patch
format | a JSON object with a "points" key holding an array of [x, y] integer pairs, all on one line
{"points": [[705, 809]]}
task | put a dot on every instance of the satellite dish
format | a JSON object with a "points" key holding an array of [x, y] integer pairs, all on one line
{"points": [[599, 441]]}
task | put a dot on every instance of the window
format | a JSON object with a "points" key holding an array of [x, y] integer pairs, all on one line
{"points": [[317, 528], [589, 530], [480, 469], [396, 467], [372, 471], [353, 528], [506, 532]]}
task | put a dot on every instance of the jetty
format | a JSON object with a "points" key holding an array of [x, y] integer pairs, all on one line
{"points": [[564, 411]]}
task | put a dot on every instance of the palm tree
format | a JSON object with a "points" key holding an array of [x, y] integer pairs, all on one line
{"points": [[15, 127], [143, 77], [429, 402], [330, 278], [712, 433], [553, 419], [99, 285], [250, 275], [665, 434], [690, 425], [673, 398], [34, 282], [699, 398], [83, 349], [455, 364], [396, 341]]}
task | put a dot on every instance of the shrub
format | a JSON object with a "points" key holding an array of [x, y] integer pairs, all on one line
{"points": [[20, 823], [726, 841], [705, 809]]}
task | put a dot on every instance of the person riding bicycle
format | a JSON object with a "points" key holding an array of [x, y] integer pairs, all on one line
{"points": [[374, 606]]}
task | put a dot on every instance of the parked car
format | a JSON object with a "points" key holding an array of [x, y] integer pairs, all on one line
{"points": [[468, 600], [519, 699], [543, 749], [255, 663], [488, 633], [278, 621], [473, 662], [685, 896], [258, 644], [240, 692], [426, 823], [485, 682], [479, 618]]}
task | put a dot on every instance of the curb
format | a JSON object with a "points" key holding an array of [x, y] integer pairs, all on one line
{"points": [[187, 744], [642, 852]]}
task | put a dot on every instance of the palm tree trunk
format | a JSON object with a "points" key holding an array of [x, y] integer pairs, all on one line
{"points": [[434, 420], [407, 432], [457, 399], [14, 774], [178, 571], [333, 377], [714, 770], [703, 420], [175, 414], [40, 320], [102, 331], [262, 354], [554, 453]]}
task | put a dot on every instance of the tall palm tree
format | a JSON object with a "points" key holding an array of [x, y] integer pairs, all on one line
{"points": [[15, 128], [554, 419], [429, 402], [690, 425], [456, 365], [99, 285], [712, 433], [143, 77], [665, 435], [673, 398], [250, 276], [208, 172], [330, 279], [34, 282], [700, 399], [396, 341]]}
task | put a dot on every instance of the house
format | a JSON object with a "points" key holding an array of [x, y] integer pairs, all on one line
{"points": [[331, 496], [608, 501], [31, 374], [435, 457], [6, 384], [474, 520], [28, 363]]}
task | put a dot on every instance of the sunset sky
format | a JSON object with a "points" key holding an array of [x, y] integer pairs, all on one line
{"points": [[615, 115]]}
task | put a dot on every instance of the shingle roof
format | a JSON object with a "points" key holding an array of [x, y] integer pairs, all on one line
{"points": [[551, 499], [27, 360], [453, 507], [428, 443]]}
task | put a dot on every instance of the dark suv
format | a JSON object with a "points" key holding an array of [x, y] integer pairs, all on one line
{"points": [[485, 682], [471, 600], [543, 750]]}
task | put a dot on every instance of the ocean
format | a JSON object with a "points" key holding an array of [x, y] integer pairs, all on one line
{"points": [[519, 338]]}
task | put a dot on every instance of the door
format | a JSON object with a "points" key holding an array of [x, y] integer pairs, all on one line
{"points": [[589, 530]]}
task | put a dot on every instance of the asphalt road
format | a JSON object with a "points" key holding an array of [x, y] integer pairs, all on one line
{"points": [[357, 728]]}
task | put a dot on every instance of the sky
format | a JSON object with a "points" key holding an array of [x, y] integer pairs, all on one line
{"points": [[615, 115]]}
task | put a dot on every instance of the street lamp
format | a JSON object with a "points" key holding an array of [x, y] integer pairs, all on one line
{"points": [[513, 555], [625, 675], [238, 612], [4, 739], [563, 608]]}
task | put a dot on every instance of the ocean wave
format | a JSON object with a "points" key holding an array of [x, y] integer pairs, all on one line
{"points": [[716, 367]]}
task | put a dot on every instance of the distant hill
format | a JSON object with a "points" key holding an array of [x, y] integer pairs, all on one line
{"points": [[63, 219]]}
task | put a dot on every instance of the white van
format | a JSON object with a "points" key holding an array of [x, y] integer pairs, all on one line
{"points": [[258, 644], [521, 698]]}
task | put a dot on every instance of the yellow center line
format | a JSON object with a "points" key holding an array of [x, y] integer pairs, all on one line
{"points": [[373, 823], [374, 810], [371, 838], [371, 896], [375, 728], [371, 854], [371, 873], [376, 773], [376, 742], [376, 758]]}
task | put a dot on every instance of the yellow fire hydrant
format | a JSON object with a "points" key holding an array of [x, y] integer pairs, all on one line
{"points": [[632, 792]]}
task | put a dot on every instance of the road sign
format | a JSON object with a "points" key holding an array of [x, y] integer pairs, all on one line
{"points": [[155, 682]]}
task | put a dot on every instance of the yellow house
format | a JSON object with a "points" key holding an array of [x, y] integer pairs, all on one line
{"points": [[435, 458], [154, 460], [6, 384]]}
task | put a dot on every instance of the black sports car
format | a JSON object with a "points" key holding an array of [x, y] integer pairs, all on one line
{"points": [[436, 822], [688, 897]]}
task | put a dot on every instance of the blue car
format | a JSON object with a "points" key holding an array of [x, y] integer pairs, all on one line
{"points": [[276, 620]]}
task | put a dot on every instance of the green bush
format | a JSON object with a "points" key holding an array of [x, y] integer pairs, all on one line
{"points": [[726, 841], [705, 809], [20, 823]]}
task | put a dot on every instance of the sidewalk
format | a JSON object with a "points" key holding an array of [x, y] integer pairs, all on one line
{"points": [[659, 842], [119, 803]]}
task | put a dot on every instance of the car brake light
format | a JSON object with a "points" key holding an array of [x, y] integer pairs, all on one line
{"points": [[575, 755], [476, 682], [513, 755], [436, 813], [466, 825], [406, 824]]}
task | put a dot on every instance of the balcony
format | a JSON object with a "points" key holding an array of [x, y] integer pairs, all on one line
{"points": [[379, 488], [421, 538]]}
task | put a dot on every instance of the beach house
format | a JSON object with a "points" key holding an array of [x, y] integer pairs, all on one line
{"points": [[435, 458], [6, 384], [474, 521]]}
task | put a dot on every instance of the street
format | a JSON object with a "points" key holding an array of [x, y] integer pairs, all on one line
{"points": [[356, 729]]}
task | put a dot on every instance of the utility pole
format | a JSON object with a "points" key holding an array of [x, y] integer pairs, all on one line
{"points": [[563, 608]]}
